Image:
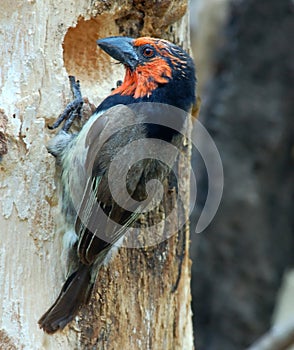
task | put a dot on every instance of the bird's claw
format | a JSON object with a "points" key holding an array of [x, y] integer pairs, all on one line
{"points": [[118, 84], [73, 109]]}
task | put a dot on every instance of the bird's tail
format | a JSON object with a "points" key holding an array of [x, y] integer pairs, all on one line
{"points": [[73, 294]]}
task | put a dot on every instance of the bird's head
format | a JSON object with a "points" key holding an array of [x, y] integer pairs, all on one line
{"points": [[156, 70]]}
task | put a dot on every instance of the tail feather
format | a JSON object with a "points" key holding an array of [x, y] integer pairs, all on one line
{"points": [[73, 294]]}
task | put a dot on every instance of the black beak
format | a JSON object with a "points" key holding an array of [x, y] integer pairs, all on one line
{"points": [[120, 48]]}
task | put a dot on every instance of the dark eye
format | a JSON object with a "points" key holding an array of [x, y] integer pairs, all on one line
{"points": [[148, 52]]}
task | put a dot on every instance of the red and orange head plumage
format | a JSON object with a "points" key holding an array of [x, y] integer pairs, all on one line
{"points": [[156, 70]]}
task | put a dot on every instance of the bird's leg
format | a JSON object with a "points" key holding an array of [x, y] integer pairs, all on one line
{"points": [[118, 84], [73, 109]]}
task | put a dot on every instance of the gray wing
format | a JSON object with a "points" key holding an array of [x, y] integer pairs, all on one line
{"points": [[100, 221]]}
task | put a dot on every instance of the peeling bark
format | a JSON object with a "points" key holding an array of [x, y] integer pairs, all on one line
{"points": [[3, 139]]}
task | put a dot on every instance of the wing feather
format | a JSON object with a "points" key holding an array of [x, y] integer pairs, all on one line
{"points": [[100, 222]]}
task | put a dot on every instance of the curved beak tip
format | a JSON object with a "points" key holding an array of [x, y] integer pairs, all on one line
{"points": [[120, 48]]}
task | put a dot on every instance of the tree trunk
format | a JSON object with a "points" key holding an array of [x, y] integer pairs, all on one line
{"points": [[142, 299]]}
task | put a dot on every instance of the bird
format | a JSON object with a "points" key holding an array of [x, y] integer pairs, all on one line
{"points": [[158, 74]]}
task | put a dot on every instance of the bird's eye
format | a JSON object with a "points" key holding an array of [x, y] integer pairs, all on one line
{"points": [[148, 52]]}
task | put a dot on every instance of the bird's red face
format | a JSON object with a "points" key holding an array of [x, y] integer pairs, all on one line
{"points": [[150, 63]]}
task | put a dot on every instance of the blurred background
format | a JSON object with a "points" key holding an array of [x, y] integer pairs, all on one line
{"points": [[242, 273]]}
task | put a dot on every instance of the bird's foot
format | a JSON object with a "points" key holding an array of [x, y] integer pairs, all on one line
{"points": [[73, 109], [118, 84]]}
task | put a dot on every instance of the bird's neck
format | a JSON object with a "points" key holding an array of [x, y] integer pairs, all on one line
{"points": [[139, 87], [144, 80]]}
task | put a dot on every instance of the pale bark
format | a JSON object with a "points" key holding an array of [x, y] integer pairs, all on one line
{"points": [[142, 299]]}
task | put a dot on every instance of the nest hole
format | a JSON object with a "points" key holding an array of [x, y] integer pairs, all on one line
{"points": [[83, 58]]}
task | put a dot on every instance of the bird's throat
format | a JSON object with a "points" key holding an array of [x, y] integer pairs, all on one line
{"points": [[145, 79]]}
